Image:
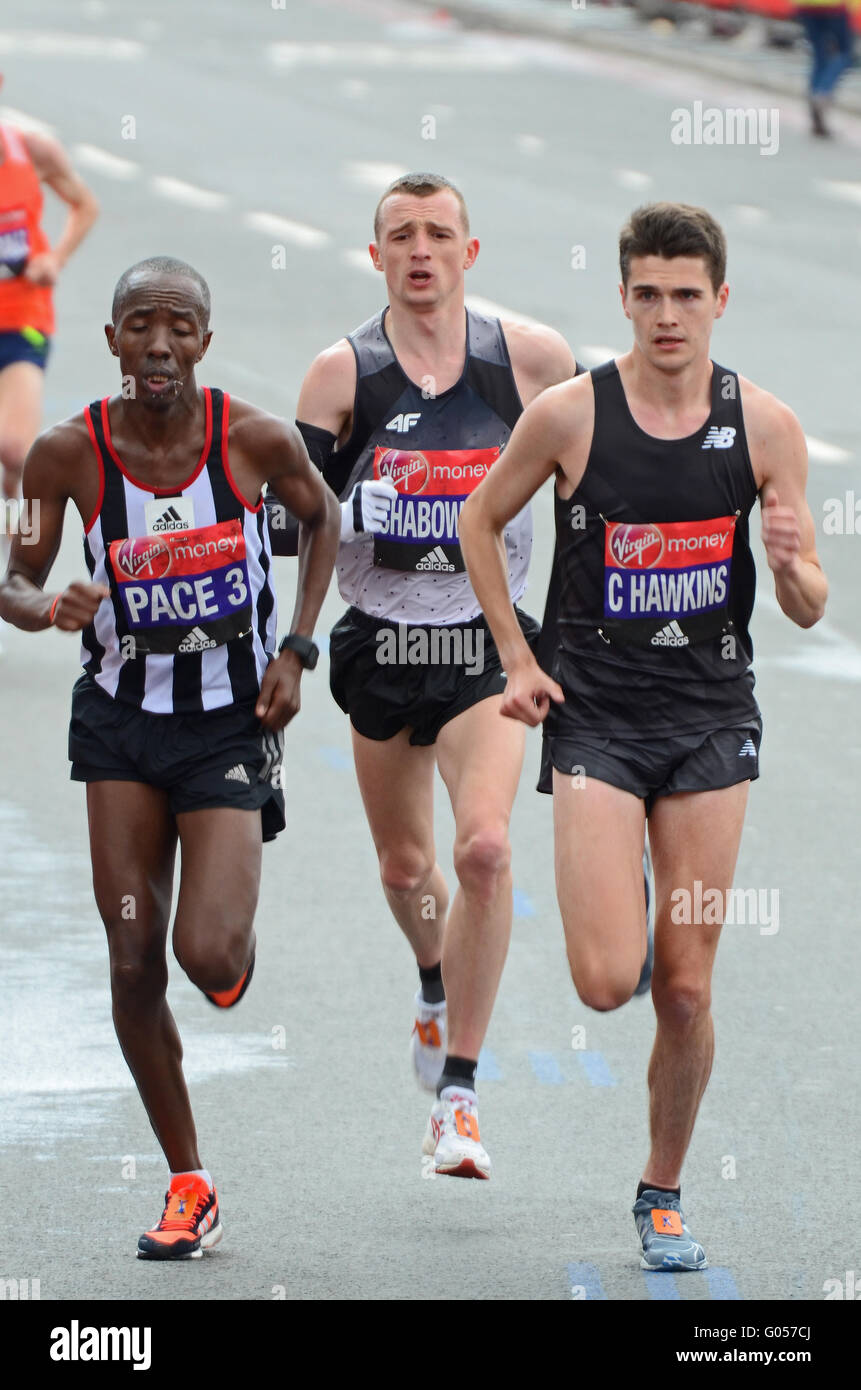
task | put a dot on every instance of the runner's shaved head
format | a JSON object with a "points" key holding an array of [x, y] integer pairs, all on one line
{"points": [[159, 265]]}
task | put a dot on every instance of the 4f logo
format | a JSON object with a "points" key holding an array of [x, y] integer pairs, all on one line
{"points": [[402, 423], [719, 437]]}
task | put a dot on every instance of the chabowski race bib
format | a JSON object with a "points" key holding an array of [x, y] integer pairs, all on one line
{"points": [[666, 584], [184, 591], [433, 485], [14, 246]]}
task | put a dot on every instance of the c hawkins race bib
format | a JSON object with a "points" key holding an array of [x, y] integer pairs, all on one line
{"points": [[666, 584], [433, 485], [14, 244], [184, 591]]}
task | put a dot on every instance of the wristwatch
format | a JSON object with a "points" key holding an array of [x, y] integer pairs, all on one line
{"points": [[306, 650]]}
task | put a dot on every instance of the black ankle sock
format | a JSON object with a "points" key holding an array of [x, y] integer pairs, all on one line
{"points": [[650, 1187], [458, 1071], [432, 987]]}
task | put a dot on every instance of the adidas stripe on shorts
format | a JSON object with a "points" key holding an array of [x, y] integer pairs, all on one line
{"points": [[651, 765], [220, 757]]}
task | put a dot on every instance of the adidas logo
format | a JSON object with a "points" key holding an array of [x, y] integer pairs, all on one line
{"points": [[196, 641], [747, 749], [670, 636], [237, 774], [170, 520], [720, 437], [435, 559]]}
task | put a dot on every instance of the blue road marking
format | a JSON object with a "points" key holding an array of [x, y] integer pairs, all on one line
{"points": [[335, 757], [595, 1066], [587, 1278], [721, 1283], [523, 906], [661, 1286], [488, 1067], [546, 1068]]}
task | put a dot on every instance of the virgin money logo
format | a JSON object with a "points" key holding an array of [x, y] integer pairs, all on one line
{"points": [[636, 547], [409, 471], [143, 558]]}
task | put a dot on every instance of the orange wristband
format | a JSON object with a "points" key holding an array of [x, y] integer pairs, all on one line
{"points": [[54, 609]]}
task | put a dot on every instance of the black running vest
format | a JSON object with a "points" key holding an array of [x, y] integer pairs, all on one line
{"points": [[655, 573]]}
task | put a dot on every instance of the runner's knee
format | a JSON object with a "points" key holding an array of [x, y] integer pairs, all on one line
{"points": [[138, 982], [680, 1003], [482, 858], [601, 986], [13, 452], [215, 959], [405, 869]]}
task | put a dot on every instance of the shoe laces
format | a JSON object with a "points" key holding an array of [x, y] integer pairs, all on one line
{"points": [[182, 1210]]}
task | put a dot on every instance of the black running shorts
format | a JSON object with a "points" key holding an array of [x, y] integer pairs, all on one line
{"points": [[388, 676], [221, 757], [653, 765]]}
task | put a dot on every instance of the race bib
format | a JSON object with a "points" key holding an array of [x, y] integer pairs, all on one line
{"points": [[432, 484], [14, 248], [186, 591], [666, 584]]}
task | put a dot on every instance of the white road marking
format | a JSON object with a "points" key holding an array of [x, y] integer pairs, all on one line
{"points": [[825, 651], [750, 215], [593, 355], [530, 144], [359, 260], [189, 194], [472, 57], [835, 188], [821, 452], [373, 174], [496, 311], [57, 45], [296, 232], [103, 162], [11, 116], [632, 178]]}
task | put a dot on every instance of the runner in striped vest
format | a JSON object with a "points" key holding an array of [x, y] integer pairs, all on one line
{"points": [[177, 720]]}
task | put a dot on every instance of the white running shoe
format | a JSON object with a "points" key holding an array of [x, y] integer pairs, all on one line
{"points": [[427, 1044], [452, 1136]]}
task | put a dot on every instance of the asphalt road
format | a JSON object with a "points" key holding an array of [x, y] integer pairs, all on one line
{"points": [[307, 1113]]}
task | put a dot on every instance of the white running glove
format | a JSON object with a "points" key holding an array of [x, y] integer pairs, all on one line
{"points": [[367, 508]]}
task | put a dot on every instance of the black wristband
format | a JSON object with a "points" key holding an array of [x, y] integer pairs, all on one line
{"points": [[306, 650]]}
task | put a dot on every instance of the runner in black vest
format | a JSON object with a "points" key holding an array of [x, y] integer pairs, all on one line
{"points": [[420, 401], [659, 458], [176, 723]]}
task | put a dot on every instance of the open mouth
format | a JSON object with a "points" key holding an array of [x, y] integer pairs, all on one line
{"points": [[159, 382], [419, 277], [666, 340]]}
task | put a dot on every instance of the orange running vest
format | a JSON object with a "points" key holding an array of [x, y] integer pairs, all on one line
{"points": [[22, 304]]}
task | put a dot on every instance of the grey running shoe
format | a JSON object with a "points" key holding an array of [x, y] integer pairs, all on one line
{"points": [[665, 1239], [645, 979]]}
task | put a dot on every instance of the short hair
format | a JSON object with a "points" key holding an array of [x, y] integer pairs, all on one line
{"points": [[160, 265], [673, 229], [420, 186]]}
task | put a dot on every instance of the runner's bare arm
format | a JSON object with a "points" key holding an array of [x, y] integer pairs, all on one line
{"points": [[268, 449], [329, 390], [778, 453], [54, 168], [50, 479], [551, 435], [540, 357]]}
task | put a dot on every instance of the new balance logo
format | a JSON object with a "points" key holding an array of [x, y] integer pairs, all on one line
{"points": [[196, 641], [402, 423], [720, 437], [170, 520], [237, 774], [670, 636], [435, 559], [747, 749]]}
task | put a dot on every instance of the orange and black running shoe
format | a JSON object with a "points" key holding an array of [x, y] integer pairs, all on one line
{"points": [[226, 998], [189, 1225]]}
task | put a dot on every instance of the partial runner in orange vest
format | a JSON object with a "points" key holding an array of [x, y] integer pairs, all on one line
{"points": [[29, 267]]}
